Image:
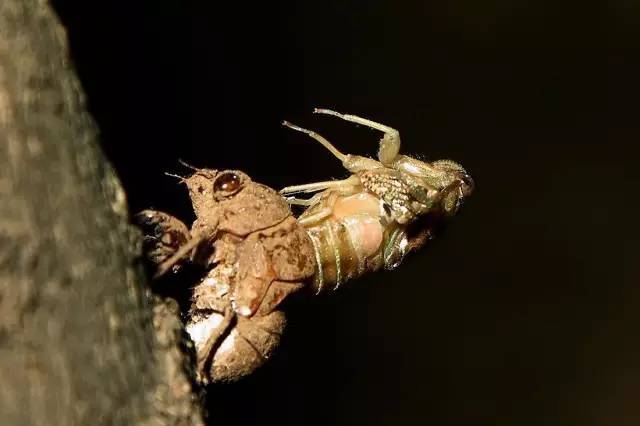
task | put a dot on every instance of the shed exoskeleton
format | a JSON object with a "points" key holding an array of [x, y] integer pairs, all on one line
{"points": [[254, 254], [383, 210]]}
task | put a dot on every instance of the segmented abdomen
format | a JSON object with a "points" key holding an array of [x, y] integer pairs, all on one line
{"points": [[347, 247]]}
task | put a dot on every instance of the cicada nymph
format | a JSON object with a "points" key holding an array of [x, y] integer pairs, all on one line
{"points": [[253, 253], [385, 209]]}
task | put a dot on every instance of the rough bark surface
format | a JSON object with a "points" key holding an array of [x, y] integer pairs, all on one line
{"points": [[81, 340]]}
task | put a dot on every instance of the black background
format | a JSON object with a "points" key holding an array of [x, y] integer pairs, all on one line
{"points": [[525, 311]]}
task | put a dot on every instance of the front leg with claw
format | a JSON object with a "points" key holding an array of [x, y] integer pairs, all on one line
{"points": [[164, 236], [207, 351]]}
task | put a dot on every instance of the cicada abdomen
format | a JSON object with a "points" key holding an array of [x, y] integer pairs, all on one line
{"points": [[384, 210], [348, 231]]}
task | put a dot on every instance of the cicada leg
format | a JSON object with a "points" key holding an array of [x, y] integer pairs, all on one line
{"points": [[321, 186], [164, 235], [206, 352], [305, 202], [340, 156], [390, 142], [167, 241], [353, 163], [178, 256], [316, 217], [345, 186]]}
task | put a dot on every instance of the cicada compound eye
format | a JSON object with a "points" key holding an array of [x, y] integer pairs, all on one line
{"points": [[467, 186], [227, 184]]}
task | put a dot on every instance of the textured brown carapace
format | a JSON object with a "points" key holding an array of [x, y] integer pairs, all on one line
{"points": [[254, 254]]}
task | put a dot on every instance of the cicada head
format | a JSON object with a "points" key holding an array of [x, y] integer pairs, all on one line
{"points": [[411, 188], [444, 183], [230, 201], [434, 190], [209, 187]]}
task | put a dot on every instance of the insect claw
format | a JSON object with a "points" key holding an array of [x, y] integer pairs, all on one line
{"points": [[286, 123], [327, 112]]}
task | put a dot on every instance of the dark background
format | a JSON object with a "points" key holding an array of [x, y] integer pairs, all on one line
{"points": [[526, 310]]}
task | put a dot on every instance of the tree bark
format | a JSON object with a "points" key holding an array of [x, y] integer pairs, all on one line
{"points": [[82, 341]]}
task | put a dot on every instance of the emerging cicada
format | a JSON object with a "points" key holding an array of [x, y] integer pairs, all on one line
{"points": [[384, 210], [254, 254]]}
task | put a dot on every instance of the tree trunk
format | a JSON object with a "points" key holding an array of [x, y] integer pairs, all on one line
{"points": [[81, 339]]}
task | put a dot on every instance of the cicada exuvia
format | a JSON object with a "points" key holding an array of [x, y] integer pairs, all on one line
{"points": [[383, 210], [253, 254]]}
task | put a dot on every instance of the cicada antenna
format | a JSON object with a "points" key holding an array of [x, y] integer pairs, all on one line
{"points": [[187, 165], [182, 179]]}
